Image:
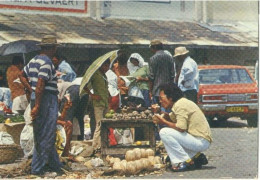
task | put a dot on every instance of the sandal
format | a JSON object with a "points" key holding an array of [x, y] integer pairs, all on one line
{"points": [[184, 166]]}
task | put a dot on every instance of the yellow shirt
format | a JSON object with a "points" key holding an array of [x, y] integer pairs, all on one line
{"points": [[188, 116]]}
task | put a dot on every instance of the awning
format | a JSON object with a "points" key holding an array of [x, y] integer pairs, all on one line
{"points": [[84, 32]]}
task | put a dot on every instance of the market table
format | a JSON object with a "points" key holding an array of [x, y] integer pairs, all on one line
{"points": [[119, 150]]}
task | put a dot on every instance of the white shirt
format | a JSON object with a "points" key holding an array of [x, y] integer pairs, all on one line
{"points": [[189, 74], [112, 83]]}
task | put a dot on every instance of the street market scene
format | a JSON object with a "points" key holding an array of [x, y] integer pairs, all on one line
{"points": [[129, 89]]}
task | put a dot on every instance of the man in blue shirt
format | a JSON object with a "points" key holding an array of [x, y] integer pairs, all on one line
{"points": [[39, 78], [64, 70], [187, 77]]}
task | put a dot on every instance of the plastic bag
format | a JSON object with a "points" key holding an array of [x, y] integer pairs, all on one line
{"points": [[27, 115], [6, 139], [26, 140]]}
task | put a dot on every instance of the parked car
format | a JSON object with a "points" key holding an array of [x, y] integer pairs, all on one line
{"points": [[228, 91]]}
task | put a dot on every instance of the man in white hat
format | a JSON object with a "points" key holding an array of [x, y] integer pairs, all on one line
{"points": [[187, 77], [39, 78]]}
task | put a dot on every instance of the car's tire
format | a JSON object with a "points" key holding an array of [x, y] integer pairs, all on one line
{"points": [[252, 121]]}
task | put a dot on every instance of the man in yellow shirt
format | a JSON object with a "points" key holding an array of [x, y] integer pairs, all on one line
{"points": [[187, 132]]}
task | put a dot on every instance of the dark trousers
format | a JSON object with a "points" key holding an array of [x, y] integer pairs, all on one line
{"points": [[78, 108], [191, 95]]}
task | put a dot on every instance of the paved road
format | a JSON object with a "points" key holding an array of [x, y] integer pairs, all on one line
{"points": [[233, 154]]}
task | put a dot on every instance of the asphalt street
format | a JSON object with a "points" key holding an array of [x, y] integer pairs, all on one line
{"points": [[233, 154]]}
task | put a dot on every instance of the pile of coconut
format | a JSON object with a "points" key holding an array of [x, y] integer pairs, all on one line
{"points": [[136, 161]]}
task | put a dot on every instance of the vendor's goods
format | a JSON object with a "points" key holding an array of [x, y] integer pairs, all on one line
{"points": [[157, 160], [113, 160], [117, 166], [79, 159], [139, 165], [130, 155], [131, 168], [151, 159], [8, 153], [149, 152], [137, 152], [143, 153]]}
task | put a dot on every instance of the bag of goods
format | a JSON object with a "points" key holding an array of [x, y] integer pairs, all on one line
{"points": [[130, 155], [149, 152], [143, 153], [137, 152]]}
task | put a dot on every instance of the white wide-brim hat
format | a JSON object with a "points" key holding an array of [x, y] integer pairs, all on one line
{"points": [[180, 51]]}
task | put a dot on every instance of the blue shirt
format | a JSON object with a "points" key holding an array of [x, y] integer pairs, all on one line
{"points": [[69, 74], [41, 66], [189, 74]]}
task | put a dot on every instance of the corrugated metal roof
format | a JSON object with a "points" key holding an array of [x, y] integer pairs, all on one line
{"points": [[83, 31]]}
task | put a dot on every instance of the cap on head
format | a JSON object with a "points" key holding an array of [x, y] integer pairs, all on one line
{"points": [[180, 51], [49, 40], [155, 42]]}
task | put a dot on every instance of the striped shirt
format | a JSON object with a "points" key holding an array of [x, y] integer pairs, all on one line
{"points": [[161, 67], [41, 66]]}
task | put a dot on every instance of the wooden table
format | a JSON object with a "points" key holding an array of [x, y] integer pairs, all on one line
{"points": [[119, 150]]}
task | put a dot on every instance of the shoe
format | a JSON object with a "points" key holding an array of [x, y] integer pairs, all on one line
{"points": [[184, 166], [199, 160]]}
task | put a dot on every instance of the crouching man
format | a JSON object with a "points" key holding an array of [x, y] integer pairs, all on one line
{"points": [[187, 133]]}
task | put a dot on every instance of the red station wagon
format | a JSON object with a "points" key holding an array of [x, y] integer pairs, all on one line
{"points": [[226, 91]]}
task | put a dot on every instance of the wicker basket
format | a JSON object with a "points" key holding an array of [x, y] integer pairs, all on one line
{"points": [[8, 153]]}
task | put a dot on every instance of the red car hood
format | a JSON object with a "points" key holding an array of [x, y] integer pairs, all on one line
{"points": [[228, 88]]}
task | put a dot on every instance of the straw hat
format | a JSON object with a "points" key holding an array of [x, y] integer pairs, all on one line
{"points": [[180, 51], [155, 42], [48, 40]]}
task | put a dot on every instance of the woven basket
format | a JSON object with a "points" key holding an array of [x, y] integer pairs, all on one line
{"points": [[8, 153]]}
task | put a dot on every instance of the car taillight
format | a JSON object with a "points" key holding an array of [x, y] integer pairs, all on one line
{"points": [[252, 97], [214, 98]]}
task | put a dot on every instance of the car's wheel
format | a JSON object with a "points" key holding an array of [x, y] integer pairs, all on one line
{"points": [[252, 121]]}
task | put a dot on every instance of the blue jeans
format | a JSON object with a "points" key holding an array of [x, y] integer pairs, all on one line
{"points": [[181, 146]]}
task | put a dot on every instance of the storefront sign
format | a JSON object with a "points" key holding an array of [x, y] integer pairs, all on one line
{"points": [[73, 6]]}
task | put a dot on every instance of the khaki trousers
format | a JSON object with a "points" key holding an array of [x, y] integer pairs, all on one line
{"points": [[99, 114]]}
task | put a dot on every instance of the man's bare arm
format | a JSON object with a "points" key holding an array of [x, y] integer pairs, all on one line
{"points": [[23, 78]]}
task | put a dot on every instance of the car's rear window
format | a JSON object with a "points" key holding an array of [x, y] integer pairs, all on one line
{"points": [[224, 76]]}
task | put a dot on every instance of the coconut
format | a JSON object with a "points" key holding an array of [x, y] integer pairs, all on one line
{"points": [[113, 160], [79, 159], [157, 160], [130, 155], [137, 152], [149, 152], [138, 165], [117, 166], [143, 153], [131, 168], [151, 159], [123, 165]]}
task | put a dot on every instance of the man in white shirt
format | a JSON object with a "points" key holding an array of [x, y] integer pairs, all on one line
{"points": [[187, 77]]}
